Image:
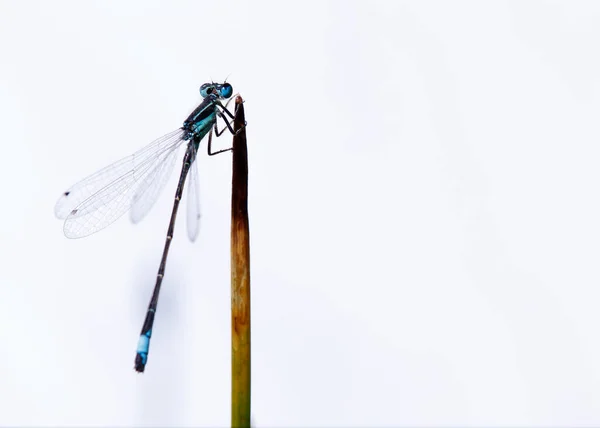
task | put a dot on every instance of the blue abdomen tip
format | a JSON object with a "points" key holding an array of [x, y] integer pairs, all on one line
{"points": [[144, 343]]}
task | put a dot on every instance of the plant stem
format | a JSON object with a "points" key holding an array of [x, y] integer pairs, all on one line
{"points": [[240, 276]]}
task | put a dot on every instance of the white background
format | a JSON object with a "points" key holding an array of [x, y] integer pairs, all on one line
{"points": [[424, 213]]}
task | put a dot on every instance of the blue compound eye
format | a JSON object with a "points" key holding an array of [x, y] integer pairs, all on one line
{"points": [[207, 89], [226, 90]]}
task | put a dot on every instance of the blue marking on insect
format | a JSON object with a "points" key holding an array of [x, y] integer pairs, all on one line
{"points": [[225, 90], [201, 128], [144, 345], [207, 89]]}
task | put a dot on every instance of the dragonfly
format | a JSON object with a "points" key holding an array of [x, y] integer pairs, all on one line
{"points": [[134, 183]]}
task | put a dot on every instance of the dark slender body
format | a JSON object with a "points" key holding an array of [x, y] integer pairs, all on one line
{"points": [[197, 125], [142, 354]]}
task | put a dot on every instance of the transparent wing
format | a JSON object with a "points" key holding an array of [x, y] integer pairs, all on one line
{"points": [[147, 193], [193, 203], [92, 184], [115, 188]]}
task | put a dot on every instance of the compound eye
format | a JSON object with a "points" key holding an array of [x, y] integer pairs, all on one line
{"points": [[206, 89], [226, 90]]}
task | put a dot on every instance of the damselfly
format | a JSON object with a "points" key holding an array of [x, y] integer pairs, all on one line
{"points": [[134, 183]]}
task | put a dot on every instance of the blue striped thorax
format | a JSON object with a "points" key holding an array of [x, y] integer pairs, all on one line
{"points": [[201, 120]]}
